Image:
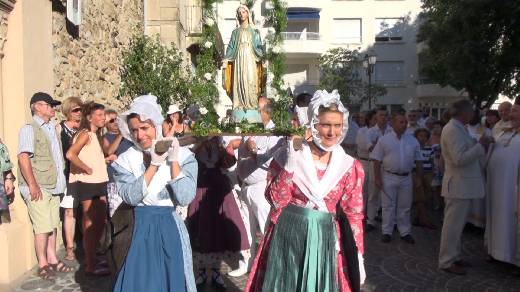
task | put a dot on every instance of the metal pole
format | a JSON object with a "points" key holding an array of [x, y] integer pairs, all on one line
{"points": [[369, 69]]}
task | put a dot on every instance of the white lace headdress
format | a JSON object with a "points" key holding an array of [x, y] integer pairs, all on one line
{"points": [[322, 98], [147, 108]]}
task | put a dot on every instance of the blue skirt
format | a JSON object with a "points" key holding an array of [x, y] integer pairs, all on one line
{"points": [[154, 261]]}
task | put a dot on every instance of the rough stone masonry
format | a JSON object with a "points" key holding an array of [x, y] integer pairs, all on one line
{"points": [[88, 65]]}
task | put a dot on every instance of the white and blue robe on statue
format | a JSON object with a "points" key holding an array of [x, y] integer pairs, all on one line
{"points": [[159, 258]]}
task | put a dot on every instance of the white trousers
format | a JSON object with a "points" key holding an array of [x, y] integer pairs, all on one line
{"points": [[258, 211], [396, 202], [366, 169], [374, 196], [258, 206], [455, 216]]}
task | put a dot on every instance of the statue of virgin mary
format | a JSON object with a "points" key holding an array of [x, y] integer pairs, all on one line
{"points": [[244, 71]]}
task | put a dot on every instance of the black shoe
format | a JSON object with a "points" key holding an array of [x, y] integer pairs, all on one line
{"points": [[370, 227], [408, 239], [217, 281], [463, 263], [201, 278], [454, 269], [386, 238]]}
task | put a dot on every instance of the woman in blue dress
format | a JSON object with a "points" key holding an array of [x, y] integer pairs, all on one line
{"points": [[159, 257]]}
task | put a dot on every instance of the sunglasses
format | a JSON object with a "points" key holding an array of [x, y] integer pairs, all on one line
{"points": [[111, 121], [49, 105], [76, 110]]}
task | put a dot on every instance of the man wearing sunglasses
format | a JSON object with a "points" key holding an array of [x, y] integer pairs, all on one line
{"points": [[42, 181]]}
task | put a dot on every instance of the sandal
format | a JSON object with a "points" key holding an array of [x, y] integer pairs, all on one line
{"points": [[98, 272], [61, 267], [70, 254], [46, 273]]}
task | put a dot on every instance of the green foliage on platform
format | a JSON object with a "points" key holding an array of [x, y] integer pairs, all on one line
{"points": [[151, 67], [204, 129]]}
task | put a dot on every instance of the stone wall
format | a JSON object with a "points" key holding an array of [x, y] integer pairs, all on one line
{"points": [[87, 65]]}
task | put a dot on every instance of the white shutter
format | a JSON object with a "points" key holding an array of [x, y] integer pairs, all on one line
{"points": [[74, 11], [389, 72], [296, 74], [347, 31]]}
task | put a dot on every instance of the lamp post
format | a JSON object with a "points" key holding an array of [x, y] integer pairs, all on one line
{"points": [[368, 63]]}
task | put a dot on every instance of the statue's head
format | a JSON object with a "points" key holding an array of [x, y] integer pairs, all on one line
{"points": [[243, 14]]}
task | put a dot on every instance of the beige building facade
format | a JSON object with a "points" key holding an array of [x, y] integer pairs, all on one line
{"points": [[26, 67], [175, 21]]}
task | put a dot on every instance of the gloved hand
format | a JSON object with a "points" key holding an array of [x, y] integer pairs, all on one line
{"points": [[157, 159], [173, 151], [362, 273]]}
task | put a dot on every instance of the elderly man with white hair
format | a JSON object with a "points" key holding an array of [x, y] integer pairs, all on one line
{"points": [[503, 181], [504, 111], [462, 182]]}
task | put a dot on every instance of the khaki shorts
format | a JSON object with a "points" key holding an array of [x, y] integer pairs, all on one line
{"points": [[44, 213]]}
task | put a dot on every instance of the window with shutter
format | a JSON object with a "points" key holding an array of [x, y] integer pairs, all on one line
{"points": [[347, 31], [388, 29], [389, 73]]}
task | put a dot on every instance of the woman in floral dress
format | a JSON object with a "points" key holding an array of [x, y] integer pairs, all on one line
{"points": [[306, 246]]}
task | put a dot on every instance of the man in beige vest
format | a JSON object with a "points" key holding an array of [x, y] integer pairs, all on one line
{"points": [[42, 180], [461, 183]]}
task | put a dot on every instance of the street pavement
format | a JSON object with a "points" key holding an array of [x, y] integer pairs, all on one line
{"points": [[394, 266]]}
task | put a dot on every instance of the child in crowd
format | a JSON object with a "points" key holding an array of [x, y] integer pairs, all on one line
{"points": [[422, 185]]}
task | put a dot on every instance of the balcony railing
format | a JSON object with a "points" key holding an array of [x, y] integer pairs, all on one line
{"points": [[301, 36]]}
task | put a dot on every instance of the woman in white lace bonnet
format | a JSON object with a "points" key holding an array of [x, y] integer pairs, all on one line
{"points": [[306, 248], [159, 257]]}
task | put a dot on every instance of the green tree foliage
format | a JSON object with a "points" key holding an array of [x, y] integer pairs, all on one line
{"points": [[150, 67], [472, 45], [341, 69]]}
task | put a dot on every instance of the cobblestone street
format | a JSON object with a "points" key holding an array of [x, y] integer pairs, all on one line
{"points": [[396, 266]]}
